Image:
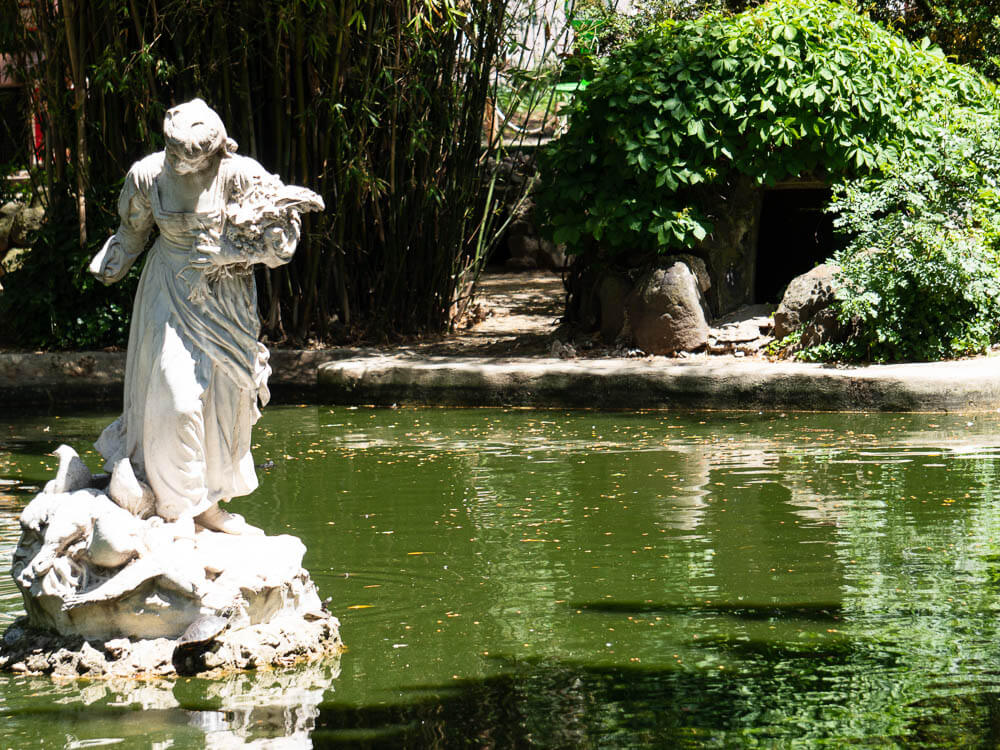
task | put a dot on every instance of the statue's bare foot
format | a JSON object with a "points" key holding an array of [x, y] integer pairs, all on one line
{"points": [[217, 519]]}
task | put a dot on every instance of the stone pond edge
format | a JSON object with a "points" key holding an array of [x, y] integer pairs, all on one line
{"points": [[358, 377]]}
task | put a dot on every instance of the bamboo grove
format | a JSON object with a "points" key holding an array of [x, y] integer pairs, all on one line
{"points": [[377, 104]]}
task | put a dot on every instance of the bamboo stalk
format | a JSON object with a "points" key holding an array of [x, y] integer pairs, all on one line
{"points": [[386, 122], [70, 13]]}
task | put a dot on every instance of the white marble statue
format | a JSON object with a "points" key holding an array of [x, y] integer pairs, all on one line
{"points": [[195, 369], [147, 556]]}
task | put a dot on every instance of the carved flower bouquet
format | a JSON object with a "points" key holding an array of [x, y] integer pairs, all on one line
{"points": [[262, 219], [262, 226]]}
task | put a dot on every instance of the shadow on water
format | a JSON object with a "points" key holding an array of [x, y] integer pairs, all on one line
{"points": [[827, 612], [567, 704], [966, 721], [33, 447], [544, 705]]}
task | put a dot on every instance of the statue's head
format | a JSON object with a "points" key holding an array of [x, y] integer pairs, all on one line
{"points": [[194, 136]]}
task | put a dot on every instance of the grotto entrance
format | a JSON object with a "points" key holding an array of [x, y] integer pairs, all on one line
{"points": [[795, 235]]}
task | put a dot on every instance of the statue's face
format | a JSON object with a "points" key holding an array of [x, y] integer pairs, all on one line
{"points": [[182, 163]]}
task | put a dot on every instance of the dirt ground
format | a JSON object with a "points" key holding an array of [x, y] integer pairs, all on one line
{"points": [[517, 314], [514, 314]]}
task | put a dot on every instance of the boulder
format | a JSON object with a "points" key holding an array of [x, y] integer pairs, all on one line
{"points": [[552, 257], [522, 225], [529, 251], [698, 268], [26, 223], [6, 225], [13, 259], [746, 330], [822, 328], [666, 311], [281, 642], [805, 297], [524, 250], [739, 333]]}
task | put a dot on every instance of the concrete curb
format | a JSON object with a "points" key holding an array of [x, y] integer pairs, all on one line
{"points": [[58, 379], [717, 383], [32, 379]]}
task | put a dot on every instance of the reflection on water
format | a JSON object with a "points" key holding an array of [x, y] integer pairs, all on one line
{"points": [[575, 578], [253, 709], [10, 508]]}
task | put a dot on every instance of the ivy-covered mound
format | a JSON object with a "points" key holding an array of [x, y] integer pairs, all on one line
{"points": [[789, 88]]}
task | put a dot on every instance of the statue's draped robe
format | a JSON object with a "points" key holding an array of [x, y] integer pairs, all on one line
{"points": [[194, 369]]}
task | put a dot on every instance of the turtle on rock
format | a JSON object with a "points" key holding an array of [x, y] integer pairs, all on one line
{"points": [[200, 637]]}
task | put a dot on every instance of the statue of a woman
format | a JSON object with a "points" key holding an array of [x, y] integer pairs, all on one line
{"points": [[195, 369]]}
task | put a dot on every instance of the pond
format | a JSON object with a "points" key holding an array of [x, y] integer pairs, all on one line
{"points": [[548, 578]]}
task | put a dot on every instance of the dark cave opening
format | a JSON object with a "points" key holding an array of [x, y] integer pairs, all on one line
{"points": [[795, 235]]}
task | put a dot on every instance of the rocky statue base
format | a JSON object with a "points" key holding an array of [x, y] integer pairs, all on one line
{"points": [[111, 591], [282, 643]]}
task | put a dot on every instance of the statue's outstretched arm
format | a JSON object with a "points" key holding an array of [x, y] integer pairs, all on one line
{"points": [[123, 247]]}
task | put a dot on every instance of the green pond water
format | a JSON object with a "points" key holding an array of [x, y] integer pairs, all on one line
{"points": [[588, 579]]}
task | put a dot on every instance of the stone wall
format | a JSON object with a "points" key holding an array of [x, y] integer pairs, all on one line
{"points": [[730, 250]]}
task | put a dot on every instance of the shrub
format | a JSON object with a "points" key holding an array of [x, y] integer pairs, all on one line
{"points": [[51, 300], [791, 87], [921, 274]]}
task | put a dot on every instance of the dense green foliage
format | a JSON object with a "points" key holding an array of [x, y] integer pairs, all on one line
{"points": [[791, 87], [921, 275], [52, 302], [377, 105]]}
